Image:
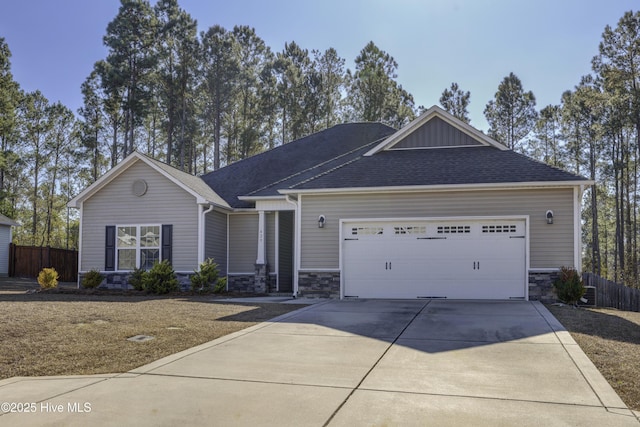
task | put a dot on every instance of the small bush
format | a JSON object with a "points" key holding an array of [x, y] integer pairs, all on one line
{"points": [[569, 286], [92, 279], [161, 279], [202, 280], [48, 278], [221, 285], [136, 279]]}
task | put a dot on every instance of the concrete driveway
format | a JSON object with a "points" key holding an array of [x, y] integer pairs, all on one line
{"points": [[350, 363]]}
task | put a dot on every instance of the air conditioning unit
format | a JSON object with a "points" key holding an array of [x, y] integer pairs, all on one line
{"points": [[589, 297]]}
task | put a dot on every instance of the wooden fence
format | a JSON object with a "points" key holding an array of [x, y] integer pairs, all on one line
{"points": [[28, 261], [611, 294]]}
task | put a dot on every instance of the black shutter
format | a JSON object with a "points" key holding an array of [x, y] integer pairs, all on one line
{"points": [[110, 248], [167, 242]]}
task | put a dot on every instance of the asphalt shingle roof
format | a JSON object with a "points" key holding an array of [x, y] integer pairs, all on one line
{"points": [[442, 166], [266, 172], [334, 159]]}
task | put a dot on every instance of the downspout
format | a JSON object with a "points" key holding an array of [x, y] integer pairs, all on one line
{"points": [[578, 226], [80, 232], [296, 246], [201, 229]]}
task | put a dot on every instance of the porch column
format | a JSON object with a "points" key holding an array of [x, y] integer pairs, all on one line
{"points": [[261, 259], [260, 284]]}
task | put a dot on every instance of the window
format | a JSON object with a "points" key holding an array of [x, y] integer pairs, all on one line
{"points": [[137, 246]]}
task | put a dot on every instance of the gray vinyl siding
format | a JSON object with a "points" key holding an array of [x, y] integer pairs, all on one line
{"points": [[551, 246], [163, 203], [216, 240], [270, 225], [436, 133], [243, 242], [5, 239]]}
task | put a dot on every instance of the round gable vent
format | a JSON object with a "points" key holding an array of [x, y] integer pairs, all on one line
{"points": [[139, 187]]}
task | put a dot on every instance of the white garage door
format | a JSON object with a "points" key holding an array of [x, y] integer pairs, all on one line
{"points": [[428, 259]]}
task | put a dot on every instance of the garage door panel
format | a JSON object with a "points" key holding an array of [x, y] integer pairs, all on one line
{"points": [[452, 259]]}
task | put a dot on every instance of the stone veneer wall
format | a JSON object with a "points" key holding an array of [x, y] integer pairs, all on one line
{"points": [[241, 282], [319, 284], [541, 286], [272, 282]]}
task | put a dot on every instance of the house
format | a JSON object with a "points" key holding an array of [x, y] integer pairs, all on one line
{"points": [[434, 210], [5, 240]]}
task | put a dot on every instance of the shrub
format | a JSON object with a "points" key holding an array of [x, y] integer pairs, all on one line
{"points": [[203, 279], [569, 286], [161, 279], [48, 278], [221, 285], [136, 279], [92, 279]]}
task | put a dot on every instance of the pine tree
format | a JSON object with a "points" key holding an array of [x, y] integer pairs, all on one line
{"points": [[511, 114], [456, 102]]}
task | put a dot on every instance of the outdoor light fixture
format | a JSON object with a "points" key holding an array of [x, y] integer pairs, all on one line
{"points": [[549, 217], [321, 221]]}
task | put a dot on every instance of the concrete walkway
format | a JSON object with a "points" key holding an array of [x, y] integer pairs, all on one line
{"points": [[349, 363]]}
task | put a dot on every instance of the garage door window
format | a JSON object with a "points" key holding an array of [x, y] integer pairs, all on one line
{"points": [[454, 229], [499, 228], [366, 231], [410, 229]]}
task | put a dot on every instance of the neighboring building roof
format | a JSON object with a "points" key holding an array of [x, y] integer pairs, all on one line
{"points": [[7, 221], [266, 172], [192, 184]]}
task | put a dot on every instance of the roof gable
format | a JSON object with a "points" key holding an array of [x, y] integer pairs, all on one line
{"points": [[191, 184], [436, 133], [435, 128]]}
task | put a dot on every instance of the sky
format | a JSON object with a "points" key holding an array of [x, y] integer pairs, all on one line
{"points": [[548, 44]]}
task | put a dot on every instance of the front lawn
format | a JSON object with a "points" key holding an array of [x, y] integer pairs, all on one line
{"points": [[69, 334], [611, 339]]}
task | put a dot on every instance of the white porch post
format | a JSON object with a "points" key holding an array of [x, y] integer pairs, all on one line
{"points": [[261, 258], [260, 284]]}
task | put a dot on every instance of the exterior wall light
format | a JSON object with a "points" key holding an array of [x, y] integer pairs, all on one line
{"points": [[321, 221], [549, 217]]}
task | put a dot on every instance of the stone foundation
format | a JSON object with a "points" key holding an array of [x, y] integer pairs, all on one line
{"points": [[319, 284], [241, 282], [272, 282], [261, 278], [541, 286]]}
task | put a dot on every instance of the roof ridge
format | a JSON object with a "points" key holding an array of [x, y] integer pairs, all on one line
{"points": [[257, 156], [317, 166]]}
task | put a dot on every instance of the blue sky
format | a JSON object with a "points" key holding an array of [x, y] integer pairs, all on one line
{"points": [[549, 44]]}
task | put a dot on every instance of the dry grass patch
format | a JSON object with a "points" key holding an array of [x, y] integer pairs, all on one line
{"points": [[611, 339], [67, 334]]}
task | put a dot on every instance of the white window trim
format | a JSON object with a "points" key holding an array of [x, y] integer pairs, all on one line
{"points": [[137, 247]]}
